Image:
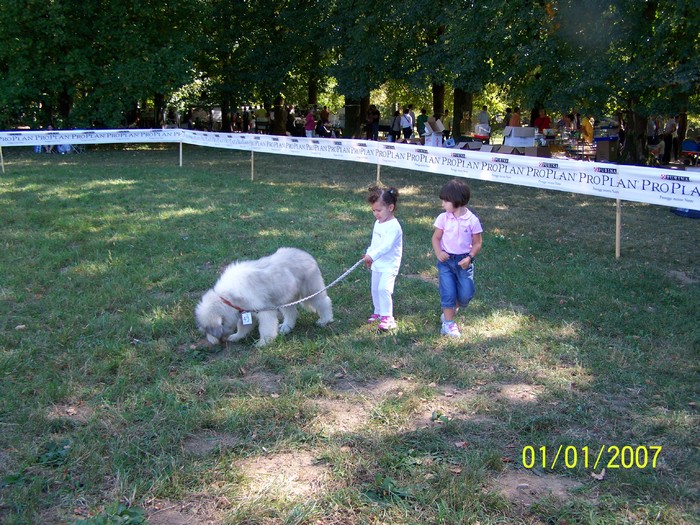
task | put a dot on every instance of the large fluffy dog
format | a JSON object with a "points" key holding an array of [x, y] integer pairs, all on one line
{"points": [[247, 290]]}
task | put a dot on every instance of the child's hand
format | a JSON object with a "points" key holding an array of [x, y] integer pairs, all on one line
{"points": [[464, 263], [368, 261], [442, 256]]}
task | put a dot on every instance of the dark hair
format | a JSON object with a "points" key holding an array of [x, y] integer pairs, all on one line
{"points": [[386, 195], [456, 192]]}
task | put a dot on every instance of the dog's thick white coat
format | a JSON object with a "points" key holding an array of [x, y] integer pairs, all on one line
{"points": [[286, 276]]}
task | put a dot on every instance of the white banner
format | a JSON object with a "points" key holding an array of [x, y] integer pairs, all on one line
{"points": [[660, 186]]}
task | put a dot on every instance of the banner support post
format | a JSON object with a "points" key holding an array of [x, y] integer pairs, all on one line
{"points": [[379, 169], [2, 160], [252, 165], [618, 227], [181, 154]]}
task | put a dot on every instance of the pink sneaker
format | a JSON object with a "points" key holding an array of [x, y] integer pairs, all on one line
{"points": [[387, 323], [373, 318]]}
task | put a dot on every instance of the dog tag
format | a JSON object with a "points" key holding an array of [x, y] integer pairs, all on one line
{"points": [[247, 318]]}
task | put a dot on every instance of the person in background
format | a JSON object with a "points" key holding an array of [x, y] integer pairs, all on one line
{"points": [[310, 124], [515, 118], [543, 121], [406, 125], [447, 122], [395, 127], [587, 129], [420, 121], [413, 117], [483, 116]]}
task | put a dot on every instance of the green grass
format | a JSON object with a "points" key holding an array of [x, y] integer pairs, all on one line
{"points": [[112, 409]]}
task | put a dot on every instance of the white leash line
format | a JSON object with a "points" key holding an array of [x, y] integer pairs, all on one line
{"points": [[343, 276]]}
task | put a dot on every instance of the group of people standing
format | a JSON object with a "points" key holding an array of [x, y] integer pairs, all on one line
{"points": [[663, 138], [404, 126]]}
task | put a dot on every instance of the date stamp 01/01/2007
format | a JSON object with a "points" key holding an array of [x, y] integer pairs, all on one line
{"points": [[603, 456]]}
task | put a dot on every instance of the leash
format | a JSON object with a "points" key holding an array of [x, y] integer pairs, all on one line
{"points": [[343, 276]]}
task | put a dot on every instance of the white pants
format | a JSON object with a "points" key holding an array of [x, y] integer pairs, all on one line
{"points": [[382, 291]]}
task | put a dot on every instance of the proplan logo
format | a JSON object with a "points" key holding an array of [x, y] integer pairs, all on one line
{"points": [[552, 165], [611, 171], [679, 178], [502, 160]]}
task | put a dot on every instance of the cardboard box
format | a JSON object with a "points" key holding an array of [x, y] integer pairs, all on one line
{"points": [[538, 151], [492, 148], [509, 150], [519, 136], [606, 149]]}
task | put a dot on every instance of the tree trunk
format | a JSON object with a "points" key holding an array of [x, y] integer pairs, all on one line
{"points": [[635, 150], [463, 108], [65, 104], [354, 117], [158, 110], [226, 124], [438, 99], [313, 91], [279, 125]]}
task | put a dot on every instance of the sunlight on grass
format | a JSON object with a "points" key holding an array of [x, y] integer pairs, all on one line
{"points": [[110, 393]]}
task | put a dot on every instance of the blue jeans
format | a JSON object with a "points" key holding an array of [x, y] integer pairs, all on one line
{"points": [[456, 284]]}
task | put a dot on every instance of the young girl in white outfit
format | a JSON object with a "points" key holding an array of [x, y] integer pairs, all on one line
{"points": [[383, 256]]}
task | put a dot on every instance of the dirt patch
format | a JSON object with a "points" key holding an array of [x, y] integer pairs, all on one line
{"points": [[294, 474], [194, 512], [339, 415], [519, 393], [76, 412], [205, 443], [373, 389], [523, 488], [266, 382], [682, 277]]}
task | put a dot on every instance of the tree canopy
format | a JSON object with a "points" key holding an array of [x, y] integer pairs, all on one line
{"points": [[93, 63]]}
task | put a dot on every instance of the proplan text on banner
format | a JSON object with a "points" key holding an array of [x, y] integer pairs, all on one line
{"points": [[632, 183]]}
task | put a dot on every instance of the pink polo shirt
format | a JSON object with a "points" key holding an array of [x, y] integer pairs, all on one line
{"points": [[457, 231]]}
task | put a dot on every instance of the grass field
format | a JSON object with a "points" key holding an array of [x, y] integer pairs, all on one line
{"points": [[113, 410]]}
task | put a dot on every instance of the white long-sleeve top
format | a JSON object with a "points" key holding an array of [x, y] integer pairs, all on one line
{"points": [[386, 247]]}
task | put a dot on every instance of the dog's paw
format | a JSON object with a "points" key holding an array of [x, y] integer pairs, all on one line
{"points": [[284, 328], [324, 322], [263, 341], [234, 338]]}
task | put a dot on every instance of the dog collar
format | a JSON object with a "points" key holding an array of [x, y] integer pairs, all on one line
{"points": [[229, 303]]}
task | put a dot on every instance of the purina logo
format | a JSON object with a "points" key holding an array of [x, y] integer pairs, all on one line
{"points": [[459, 155], [679, 178], [315, 142], [295, 140], [275, 139], [362, 144], [552, 165], [418, 150], [502, 160], [337, 143], [389, 147], [611, 171]]}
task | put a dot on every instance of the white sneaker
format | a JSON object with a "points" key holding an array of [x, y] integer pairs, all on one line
{"points": [[450, 329]]}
